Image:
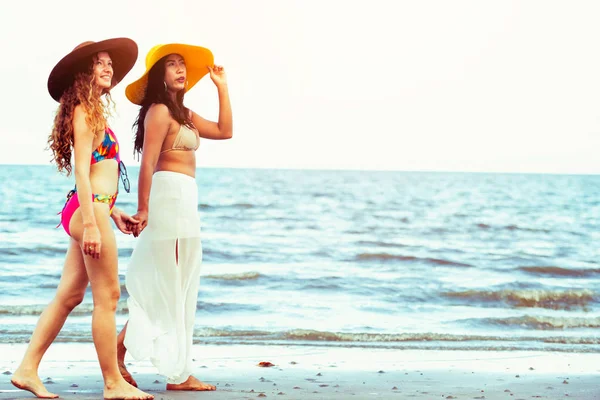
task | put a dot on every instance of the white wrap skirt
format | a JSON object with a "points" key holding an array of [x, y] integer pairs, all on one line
{"points": [[163, 278]]}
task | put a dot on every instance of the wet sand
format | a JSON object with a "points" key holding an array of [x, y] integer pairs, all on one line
{"points": [[312, 372]]}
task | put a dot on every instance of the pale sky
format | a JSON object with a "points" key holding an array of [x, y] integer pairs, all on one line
{"points": [[448, 85]]}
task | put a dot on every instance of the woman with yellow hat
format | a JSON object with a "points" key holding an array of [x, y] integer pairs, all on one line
{"points": [[164, 271], [78, 82]]}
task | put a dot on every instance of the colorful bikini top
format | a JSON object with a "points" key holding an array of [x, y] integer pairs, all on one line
{"points": [[108, 149], [186, 139]]}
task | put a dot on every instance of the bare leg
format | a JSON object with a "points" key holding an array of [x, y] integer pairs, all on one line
{"points": [[192, 384], [69, 294], [104, 279], [121, 351]]}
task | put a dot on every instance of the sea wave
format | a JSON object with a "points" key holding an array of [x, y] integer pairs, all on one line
{"points": [[559, 271], [398, 257], [512, 227], [37, 309], [37, 250], [377, 243], [550, 299], [244, 276], [204, 206], [424, 340], [541, 322], [87, 308], [361, 337]]}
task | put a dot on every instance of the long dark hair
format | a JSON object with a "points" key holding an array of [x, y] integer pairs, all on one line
{"points": [[156, 93]]}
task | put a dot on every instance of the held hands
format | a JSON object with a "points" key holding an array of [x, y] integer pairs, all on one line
{"points": [[92, 243], [142, 221], [217, 74], [130, 225], [123, 221]]}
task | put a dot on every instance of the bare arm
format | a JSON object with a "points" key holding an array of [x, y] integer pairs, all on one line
{"points": [[83, 142], [123, 221], [224, 128], [156, 127]]}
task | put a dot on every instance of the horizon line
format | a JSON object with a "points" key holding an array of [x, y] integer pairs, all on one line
{"points": [[346, 169]]}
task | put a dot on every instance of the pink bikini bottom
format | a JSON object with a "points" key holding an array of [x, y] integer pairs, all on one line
{"points": [[72, 205]]}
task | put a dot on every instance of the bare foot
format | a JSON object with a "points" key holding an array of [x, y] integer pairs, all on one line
{"points": [[31, 382], [192, 384], [126, 375], [124, 391]]}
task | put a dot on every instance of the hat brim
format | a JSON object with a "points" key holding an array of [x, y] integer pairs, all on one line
{"points": [[123, 53], [197, 60]]}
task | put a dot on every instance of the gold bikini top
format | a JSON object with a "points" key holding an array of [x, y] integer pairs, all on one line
{"points": [[186, 140]]}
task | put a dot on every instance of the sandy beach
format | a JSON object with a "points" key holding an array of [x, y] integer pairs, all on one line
{"points": [[311, 372]]}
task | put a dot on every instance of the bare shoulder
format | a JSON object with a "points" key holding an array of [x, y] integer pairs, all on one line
{"points": [[158, 111], [158, 121], [80, 124], [79, 112]]}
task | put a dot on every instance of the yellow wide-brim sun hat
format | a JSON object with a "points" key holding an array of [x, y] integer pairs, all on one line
{"points": [[197, 60]]}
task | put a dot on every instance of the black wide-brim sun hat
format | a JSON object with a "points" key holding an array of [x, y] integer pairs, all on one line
{"points": [[123, 52]]}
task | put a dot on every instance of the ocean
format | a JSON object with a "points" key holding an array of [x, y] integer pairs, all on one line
{"points": [[416, 260]]}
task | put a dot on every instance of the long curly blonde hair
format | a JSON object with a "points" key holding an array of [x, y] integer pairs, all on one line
{"points": [[84, 91]]}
